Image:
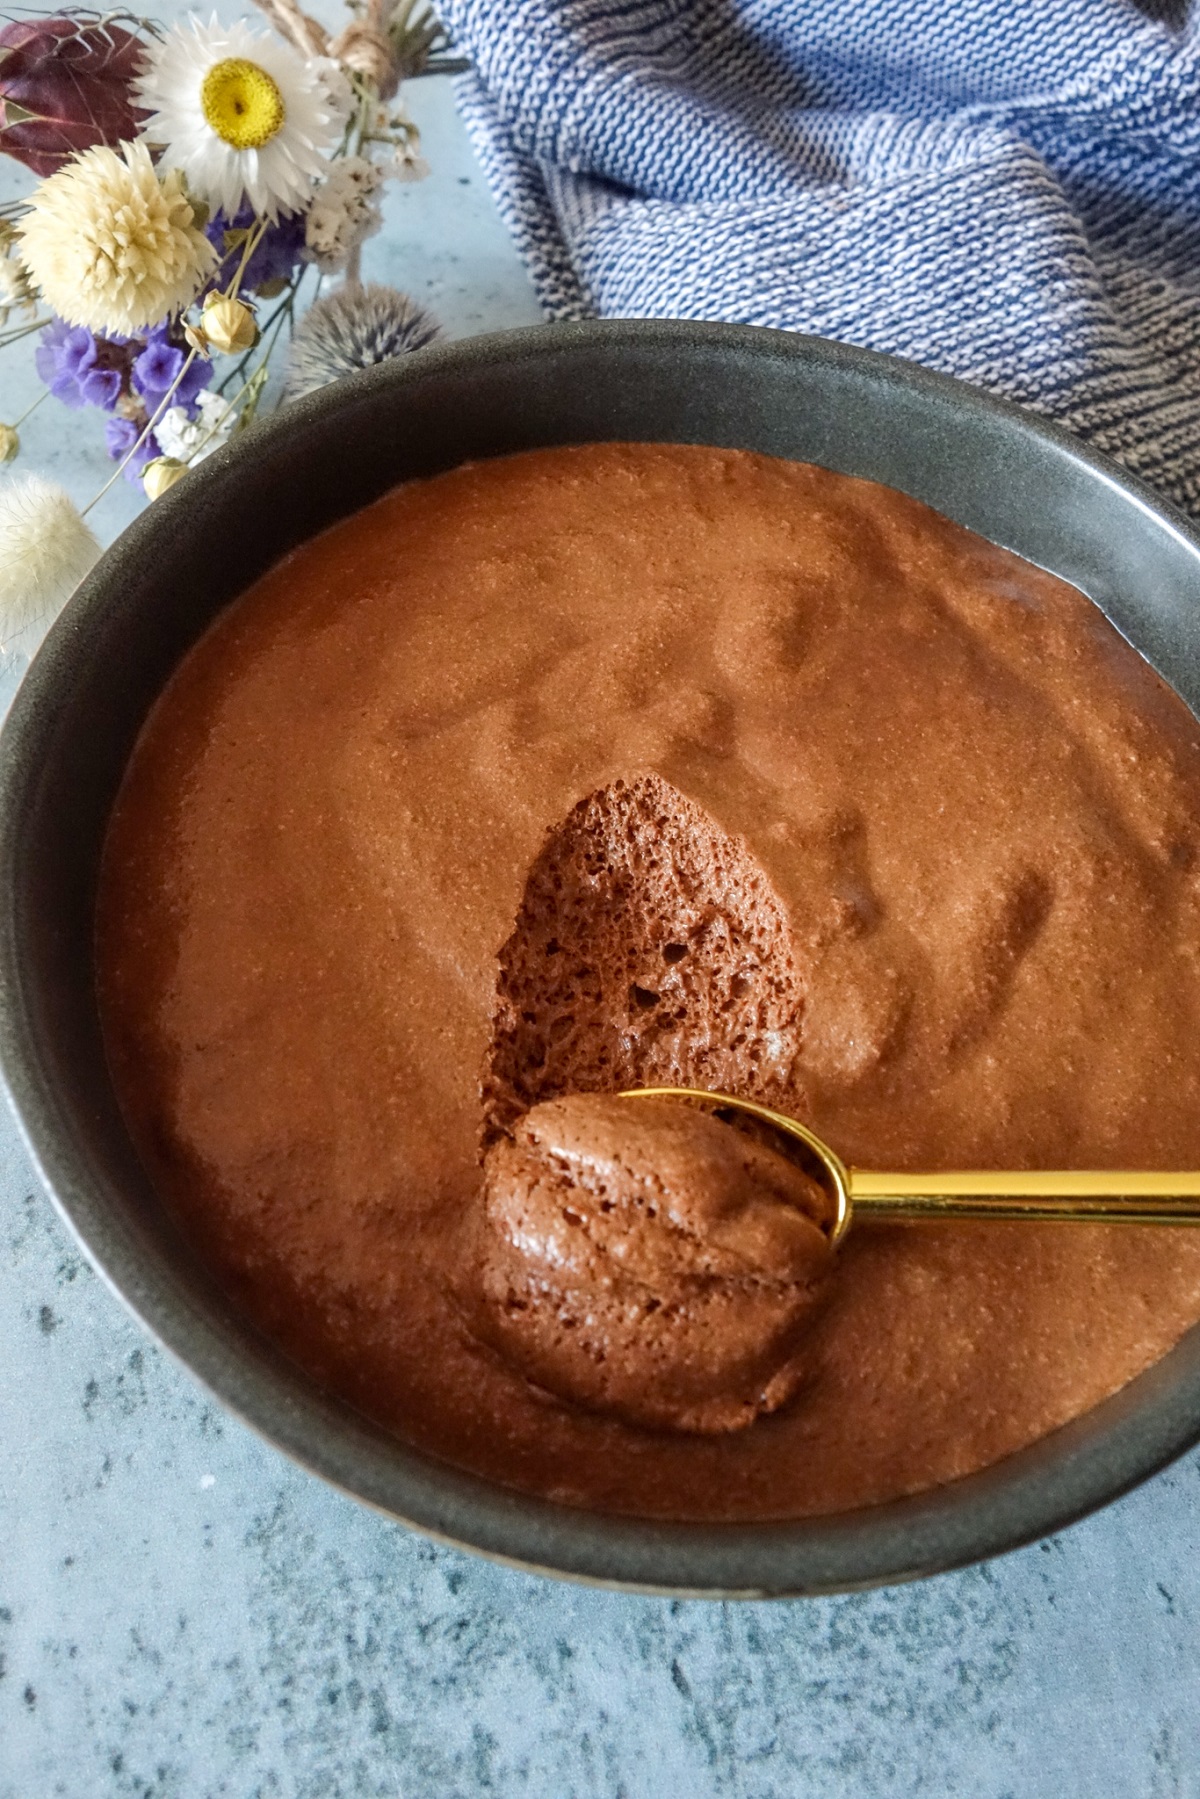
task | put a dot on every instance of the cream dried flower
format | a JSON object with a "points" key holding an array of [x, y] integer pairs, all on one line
{"points": [[112, 244], [407, 162], [227, 325], [45, 551], [161, 475], [16, 289], [344, 213], [335, 84]]}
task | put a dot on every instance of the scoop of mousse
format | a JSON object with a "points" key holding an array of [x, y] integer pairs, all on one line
{"points": [[650, 950], [642, 1258]]}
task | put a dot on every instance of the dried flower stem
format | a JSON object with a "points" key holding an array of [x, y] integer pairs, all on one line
{"points": [[266, 344], [243, 390], [296, 27], [286, 307], [288, 311], [418, 39], [29, 410], [146, 431], [13, 337], [254, 237], [388, 46], [368, 100]]}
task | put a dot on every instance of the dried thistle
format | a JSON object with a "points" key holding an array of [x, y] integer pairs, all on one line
{"points": [[353, 329]]}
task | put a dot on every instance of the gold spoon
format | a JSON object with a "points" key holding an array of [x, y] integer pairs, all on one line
{"points": [[1104, 1196]]}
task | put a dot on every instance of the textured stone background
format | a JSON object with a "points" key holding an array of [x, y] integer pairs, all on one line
{"points": [[183, 1615]]}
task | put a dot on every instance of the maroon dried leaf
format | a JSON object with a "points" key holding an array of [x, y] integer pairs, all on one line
{"points": [[65, 86]]}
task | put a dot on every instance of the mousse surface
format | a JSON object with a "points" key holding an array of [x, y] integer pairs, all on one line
{"points": [[974, 813]]}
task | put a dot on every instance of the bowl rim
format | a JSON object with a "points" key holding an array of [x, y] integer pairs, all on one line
{"points": [[1063, 1476]]}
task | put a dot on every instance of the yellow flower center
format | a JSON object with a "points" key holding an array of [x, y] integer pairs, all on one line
{"points": [[242, 103]]}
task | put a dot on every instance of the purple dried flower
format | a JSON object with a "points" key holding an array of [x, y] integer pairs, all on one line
{"points": [[83, 370], [194, 382], [101, 387], [157, 366], [150, 451], [45, 356], [80, 369], [77, 352], [64, 353], [272, 259], [120, 435]]}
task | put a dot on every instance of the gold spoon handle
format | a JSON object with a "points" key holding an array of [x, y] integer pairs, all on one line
{"points": [[1101, 1196]]}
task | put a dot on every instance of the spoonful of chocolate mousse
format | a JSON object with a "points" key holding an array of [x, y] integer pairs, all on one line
{"points": [[650, 1261]]}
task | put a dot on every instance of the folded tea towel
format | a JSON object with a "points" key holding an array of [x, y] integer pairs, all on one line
{"points": [[1005, 189]]}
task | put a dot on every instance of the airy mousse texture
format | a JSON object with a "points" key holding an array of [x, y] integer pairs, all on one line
{"points": [[645, 1259], [649, 950], [924, 828]]}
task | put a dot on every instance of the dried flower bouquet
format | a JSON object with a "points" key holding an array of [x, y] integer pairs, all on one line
{"points": [[199, 187]]}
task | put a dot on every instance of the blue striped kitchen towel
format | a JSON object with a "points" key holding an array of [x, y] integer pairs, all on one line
{"points": [[1005, 189]]}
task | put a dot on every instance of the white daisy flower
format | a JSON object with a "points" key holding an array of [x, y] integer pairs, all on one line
{"points": [[241, 114]]}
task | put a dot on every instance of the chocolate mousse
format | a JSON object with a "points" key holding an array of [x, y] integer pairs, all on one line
{"points": [[635, 760], [645, 1259], [649, 950]]}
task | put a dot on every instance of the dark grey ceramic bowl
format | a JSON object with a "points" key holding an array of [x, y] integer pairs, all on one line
{"points": [[1000, 471]]}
